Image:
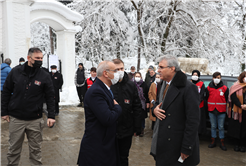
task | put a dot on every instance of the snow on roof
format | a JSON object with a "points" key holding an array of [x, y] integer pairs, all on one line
{"points": [[57, 7]]}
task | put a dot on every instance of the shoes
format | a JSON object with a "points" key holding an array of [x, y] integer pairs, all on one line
{"points": [[79, 105], [213, 143], [222, 145], [242, 149], [236, 148], [142, 133]]}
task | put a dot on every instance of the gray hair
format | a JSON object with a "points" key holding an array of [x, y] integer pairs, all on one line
{"points": [[7, 61], [102, 67], [171, 61]]}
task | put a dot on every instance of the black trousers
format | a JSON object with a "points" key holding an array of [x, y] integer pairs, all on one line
{"points": [[81, 93], [56, 107], [124, 148]]}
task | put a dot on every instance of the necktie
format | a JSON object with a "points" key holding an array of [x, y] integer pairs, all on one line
{"points": [[165, 91], [111, 93]]}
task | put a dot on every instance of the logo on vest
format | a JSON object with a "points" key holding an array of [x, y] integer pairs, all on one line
{"points": [[37, 82], [127, 101]]}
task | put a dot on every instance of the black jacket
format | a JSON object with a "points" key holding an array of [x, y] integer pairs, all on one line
{"points": [[146, 96], [126, 94], [178, 132], [80, 76], [23, 94], [236, 129], [57, 80]]}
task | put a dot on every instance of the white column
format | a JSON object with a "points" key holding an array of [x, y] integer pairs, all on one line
{"points": [[66, 52], [16, 29]]}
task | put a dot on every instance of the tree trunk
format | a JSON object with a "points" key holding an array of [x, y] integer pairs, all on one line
{"points": [[167, 30], [51, 41], [141, 43]]}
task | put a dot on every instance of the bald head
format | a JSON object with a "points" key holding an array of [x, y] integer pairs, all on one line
{"points": [[105, 72]]}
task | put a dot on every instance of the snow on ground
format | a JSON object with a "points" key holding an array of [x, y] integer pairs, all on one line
{"points": [[69, 96]]}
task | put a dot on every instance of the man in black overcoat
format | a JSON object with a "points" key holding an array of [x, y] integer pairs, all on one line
{"points": [[175, 138], [57, 83]]}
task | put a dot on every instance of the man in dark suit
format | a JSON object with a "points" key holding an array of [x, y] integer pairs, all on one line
{"points": [[57, 83], [98, 146], [175, 138]]}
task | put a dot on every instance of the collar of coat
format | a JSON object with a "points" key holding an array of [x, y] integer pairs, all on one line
{"points": [[179, 79]]}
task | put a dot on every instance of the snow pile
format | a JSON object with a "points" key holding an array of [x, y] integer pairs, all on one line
{"points": [[69, 96]]}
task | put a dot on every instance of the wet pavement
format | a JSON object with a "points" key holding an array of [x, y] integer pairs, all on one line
{"points": [[61, 144]]}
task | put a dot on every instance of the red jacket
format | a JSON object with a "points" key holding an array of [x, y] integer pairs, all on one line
{"points": [[217, 99], [199, 85]]}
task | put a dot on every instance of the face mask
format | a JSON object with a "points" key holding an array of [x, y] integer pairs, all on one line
{"points": [[22, 63], [121, 74], [132, 72], [194, 78], [137, 79], [37, 64], [157, 80], [115, 79], [216, 81], [244, 80], [53, 71]]}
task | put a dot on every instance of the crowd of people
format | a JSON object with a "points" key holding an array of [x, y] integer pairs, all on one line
{"points": [[116, 105]]}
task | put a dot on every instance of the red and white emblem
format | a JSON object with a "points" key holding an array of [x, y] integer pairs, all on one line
{"points": [[127, 101], [37, 82]]}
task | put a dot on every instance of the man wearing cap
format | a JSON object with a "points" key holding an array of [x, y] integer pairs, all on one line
{"points": [[131, 73], [57, 83], [21, 61], [79, 81]]}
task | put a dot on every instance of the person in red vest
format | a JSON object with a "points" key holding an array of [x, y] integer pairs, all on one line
{"points": [[89, 81], [195, 78], [217, 95]]}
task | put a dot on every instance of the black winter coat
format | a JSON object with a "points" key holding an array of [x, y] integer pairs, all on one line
{"points": [[146, 96], [57, 80], [126, 94], [236, 129], [178, 132], [23, 95]]}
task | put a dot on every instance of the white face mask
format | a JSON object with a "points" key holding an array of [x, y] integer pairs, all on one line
{"points": [[194, 78], [244, 80], [157, 80], [22, 63], [115, 79], [216, 81], [121, 74], [53, 70], [137, 79], [132, 72]]}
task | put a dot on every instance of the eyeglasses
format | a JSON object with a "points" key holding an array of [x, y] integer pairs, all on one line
{"points": [[161, 67], [115, 71]]}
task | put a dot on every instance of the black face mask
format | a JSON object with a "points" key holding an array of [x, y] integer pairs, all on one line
{"points": [[37, 64]]}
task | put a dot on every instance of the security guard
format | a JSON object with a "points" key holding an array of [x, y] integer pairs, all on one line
{"points": [[57, 83]]}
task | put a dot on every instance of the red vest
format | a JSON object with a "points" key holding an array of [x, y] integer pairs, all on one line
{"points": [[199, 85], [217, 99], [89, 82]]}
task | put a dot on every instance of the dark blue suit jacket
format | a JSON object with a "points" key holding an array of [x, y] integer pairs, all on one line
{"points": [[98, 146]]}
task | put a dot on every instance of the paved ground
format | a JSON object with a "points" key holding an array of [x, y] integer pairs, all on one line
{"points": [[61, 144]]}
